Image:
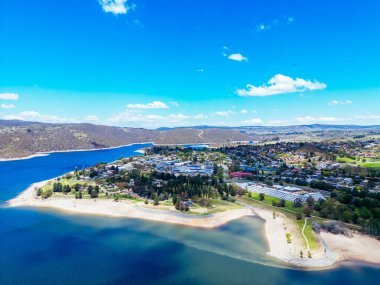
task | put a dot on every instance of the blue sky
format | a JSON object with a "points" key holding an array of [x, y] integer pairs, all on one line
{"points": [[143, 63]]}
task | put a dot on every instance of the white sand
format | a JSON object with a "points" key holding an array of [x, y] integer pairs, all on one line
{"points": [[124, 209], [25, 157], [358, 247], [279, 248]]}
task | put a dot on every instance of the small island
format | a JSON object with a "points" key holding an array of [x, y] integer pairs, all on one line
{"points": [[207, 187]]}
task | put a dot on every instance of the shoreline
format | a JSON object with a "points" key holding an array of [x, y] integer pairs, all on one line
{"points": [[276, 230], [46, 153], [333, 250], [123, 209]]}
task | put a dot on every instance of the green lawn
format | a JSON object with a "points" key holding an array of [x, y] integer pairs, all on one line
{"points": [[308, 232], [344, 160], [269, 199], [368, 163], [222, 205]]}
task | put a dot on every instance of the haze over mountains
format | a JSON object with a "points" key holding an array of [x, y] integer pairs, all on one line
{"points": [[22, 138]]}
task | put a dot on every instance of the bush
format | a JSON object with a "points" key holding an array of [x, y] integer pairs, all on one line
{"points": [[316, 227], [261, 196], [94, 194], [46, 194], [299, 216], [334, 227], [307, 211], [39, 191], [297, 203], [231, 199]]}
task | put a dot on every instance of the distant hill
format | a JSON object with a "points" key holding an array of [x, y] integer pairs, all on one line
{"points": [[20, 139]]}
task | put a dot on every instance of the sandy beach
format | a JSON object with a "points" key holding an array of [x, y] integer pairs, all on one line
{"points": [[279, 248], [358, 247], [333, 248], [125, 209]]}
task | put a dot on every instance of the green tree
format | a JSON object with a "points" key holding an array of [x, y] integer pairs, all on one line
{"points": [[94, 194]]}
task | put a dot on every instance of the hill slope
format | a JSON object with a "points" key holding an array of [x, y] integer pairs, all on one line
{"points": [[20, 139]]}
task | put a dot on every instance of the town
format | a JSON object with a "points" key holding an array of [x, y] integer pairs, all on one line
{"points": [[310, 179]]}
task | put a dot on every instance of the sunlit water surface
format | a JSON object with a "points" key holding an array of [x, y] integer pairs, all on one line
{"points": [[47, 247]]}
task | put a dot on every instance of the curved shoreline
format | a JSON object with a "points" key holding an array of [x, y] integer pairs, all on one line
{"points": [[123, 209], [46, 153], [334, 249]]}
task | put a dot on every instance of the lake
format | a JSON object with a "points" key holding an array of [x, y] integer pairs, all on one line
{"points": [[39, 246]]}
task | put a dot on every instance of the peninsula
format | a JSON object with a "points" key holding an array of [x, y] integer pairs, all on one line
{"points": [[205, 187]]}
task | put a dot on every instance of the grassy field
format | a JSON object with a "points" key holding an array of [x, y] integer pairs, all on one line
{"points": [[361, 161], [268, 200], [308, 232], [222, 205]]}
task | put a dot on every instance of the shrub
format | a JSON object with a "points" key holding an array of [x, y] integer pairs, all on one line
{"points": [[46, 194], [94, 194], [316, 227], [231, 199], [39, 191]]}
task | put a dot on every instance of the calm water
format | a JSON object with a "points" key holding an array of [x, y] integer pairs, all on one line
{"points": [[44, 247]]}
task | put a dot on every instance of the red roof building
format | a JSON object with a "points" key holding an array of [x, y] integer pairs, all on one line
{"points": [[240, 174]]}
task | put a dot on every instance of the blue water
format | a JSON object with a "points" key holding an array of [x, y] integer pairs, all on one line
{"points": [[46, 247], [196, 146]]}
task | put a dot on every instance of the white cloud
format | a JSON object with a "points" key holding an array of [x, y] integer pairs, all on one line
{"points": [[200, 116], [280, 84], [139, 118], [368, 117], [174, 103], [9, 96], [225, 50], [319, 119], [116, 6], [340, 102], [179, 116], [263, 27], [254, 121], [92, 118], [7, 106], [237, 57], [244, 111], [224, 113], [138, 23], [276, 22], [37, 117], [152, 105], [290, 20], [277, 122]]}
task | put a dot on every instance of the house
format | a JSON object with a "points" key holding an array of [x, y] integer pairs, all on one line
{"points": [[240, 174]]}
